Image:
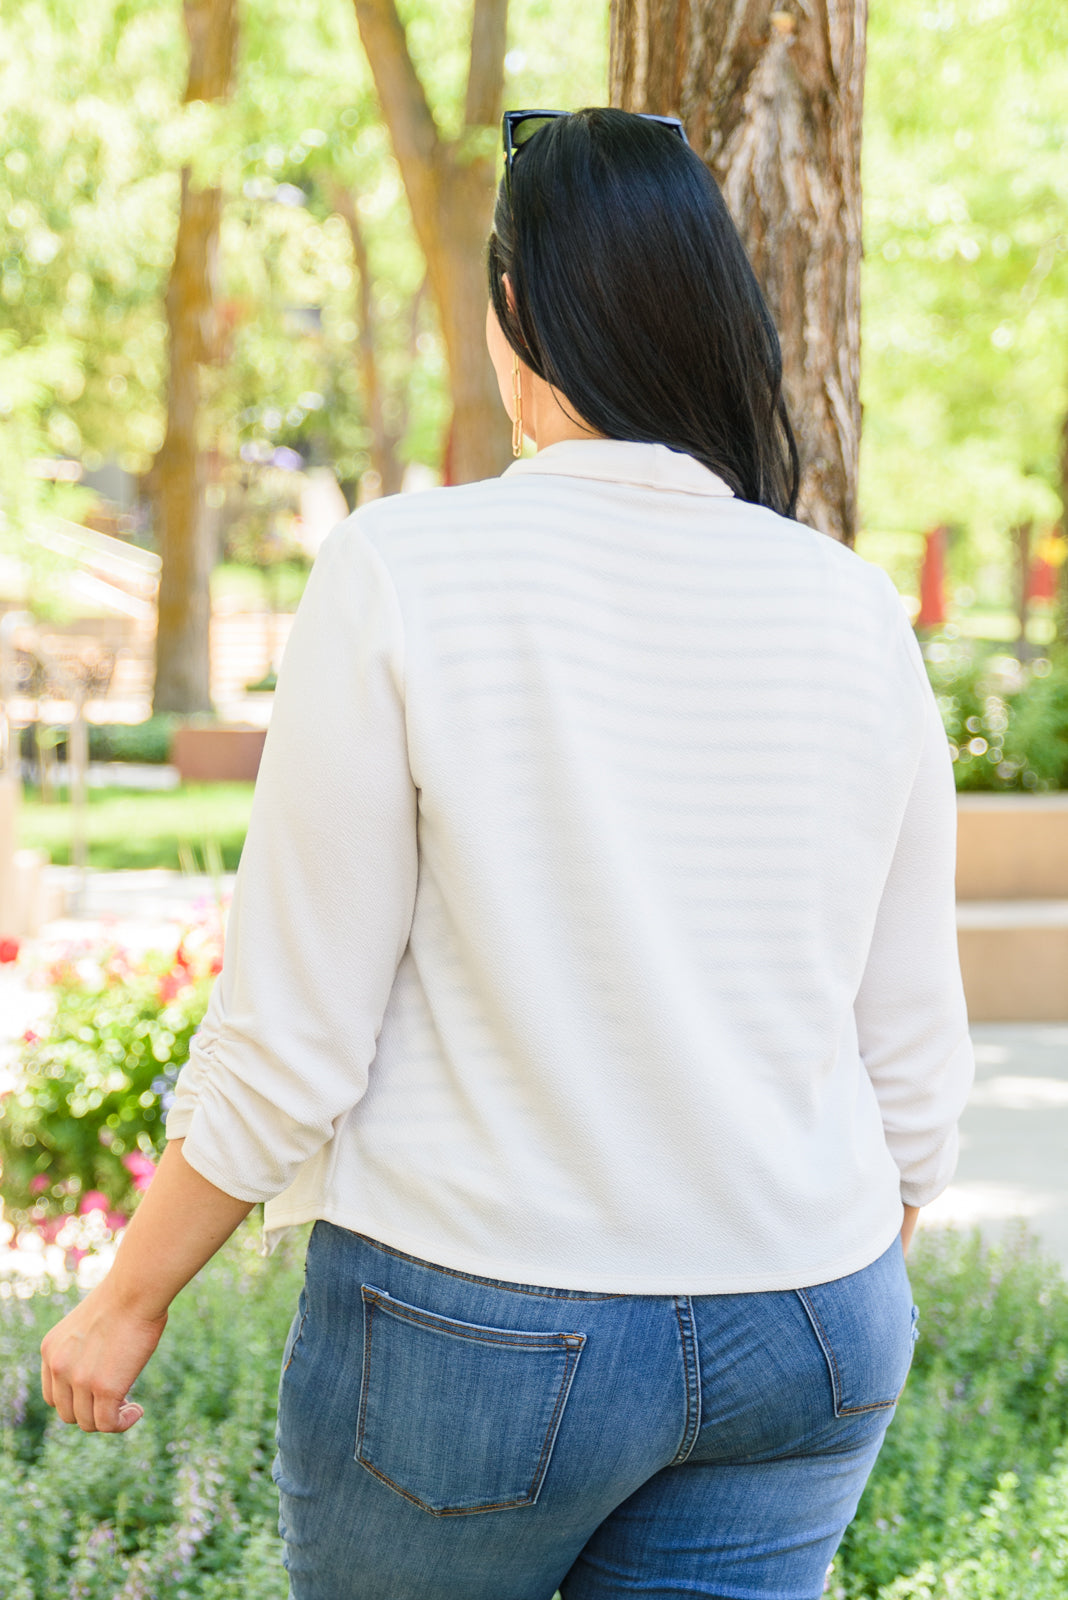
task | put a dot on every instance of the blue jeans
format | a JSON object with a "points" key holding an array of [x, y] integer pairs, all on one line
{"points": [[448, 1437]]}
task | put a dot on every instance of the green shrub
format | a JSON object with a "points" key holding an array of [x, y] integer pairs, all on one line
{"points": [[1016, 1549], [1007, 724], [148, 741], [181, 1506], [81, 1128]]}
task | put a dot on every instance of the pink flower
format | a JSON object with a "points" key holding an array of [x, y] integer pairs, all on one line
{"points": [[74, 1255], [48, 1227], [93, 1201], [38, 1183], [216, 965], [117, 1220], [9, 950], [142, 1169], [29, 1037]]}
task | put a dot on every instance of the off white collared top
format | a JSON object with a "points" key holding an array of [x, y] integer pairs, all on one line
{"points": [[595, 922]]}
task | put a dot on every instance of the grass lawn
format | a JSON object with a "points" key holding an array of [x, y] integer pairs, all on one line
{"points": [[144, 828]]}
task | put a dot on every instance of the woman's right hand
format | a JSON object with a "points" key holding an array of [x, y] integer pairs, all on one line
{"points": [[908, 1227]]}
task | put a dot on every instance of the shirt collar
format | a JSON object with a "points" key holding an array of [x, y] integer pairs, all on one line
{"points": [[653, 466]]}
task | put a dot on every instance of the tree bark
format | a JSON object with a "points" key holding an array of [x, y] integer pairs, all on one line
{"points": [[183, 681], [771, 94], [450, 188]]}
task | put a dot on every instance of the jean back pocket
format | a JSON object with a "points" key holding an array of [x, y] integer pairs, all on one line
{"points": [[456, 1417], [866, 1327]]}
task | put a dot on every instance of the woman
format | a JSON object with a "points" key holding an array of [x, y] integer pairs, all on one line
{"points": [[591, 974]]}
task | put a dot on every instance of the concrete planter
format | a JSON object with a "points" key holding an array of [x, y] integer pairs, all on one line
{"points": [[1012, 906], [217, 755]]}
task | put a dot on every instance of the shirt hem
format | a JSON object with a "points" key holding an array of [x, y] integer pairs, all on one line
{"points": [[535, 1275]]}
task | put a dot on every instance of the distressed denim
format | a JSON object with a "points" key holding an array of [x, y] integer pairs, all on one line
{"points": [[447, 1437]]}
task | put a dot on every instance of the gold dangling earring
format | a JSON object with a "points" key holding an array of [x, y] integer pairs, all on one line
{"points": [[517, 407]]}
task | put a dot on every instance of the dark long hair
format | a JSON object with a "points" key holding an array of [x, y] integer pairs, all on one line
{"points": [[636, 301]]}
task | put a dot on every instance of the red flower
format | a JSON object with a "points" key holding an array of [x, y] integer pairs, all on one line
{"points": [[29, 1037], [9, 950], [171, 984]]}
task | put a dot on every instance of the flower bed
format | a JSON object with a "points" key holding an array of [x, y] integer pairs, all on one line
{"points": [[81, 1130]]}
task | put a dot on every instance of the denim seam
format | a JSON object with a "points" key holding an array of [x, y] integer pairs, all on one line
{"points": [[571, 1355], [840, 1410], [692, 1378], [492, 1283]]}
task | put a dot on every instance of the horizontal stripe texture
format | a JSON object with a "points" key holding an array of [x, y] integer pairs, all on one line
{"points": [[619, 814]]}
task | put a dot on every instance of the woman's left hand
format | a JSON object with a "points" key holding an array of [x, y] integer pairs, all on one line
{"points": [[90, 1360]]}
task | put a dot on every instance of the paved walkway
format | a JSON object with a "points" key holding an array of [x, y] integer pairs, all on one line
{"points": [[1014, 1134]]}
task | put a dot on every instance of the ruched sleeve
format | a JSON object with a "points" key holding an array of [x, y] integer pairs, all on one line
{"points": [[324, 894]]}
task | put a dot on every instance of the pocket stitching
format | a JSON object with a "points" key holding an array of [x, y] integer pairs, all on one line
{"points": [[572, 1347], [474, 1332], [840, 1410]]}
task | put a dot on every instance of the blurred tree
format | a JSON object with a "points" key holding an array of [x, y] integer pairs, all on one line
{"points": [[965, 277], [384, 437], [450, 189], [85, 229], [176, 480], [771, 95]]}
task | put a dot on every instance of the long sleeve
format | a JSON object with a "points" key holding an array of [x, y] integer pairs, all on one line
{"points": [[912, 1020], [324, 893]]}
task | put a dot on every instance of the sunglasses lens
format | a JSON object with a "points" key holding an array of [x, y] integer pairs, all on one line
{"points": [[522, 131]]}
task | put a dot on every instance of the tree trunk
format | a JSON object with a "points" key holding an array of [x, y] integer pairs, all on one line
{"points": [[450, 188], [177, 476], [771, 99]]}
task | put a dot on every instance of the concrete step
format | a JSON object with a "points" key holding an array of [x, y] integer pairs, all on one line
{"points": [[1014, 959]]}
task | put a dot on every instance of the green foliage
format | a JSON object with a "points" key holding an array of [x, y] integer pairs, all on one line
{"points": [[86, 1116], [965, 285], [183, 1505], [1007, 724], [1018, 1548], [148, 741]]}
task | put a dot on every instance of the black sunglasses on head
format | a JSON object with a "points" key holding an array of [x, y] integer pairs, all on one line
{"points": [[519, 126]]}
